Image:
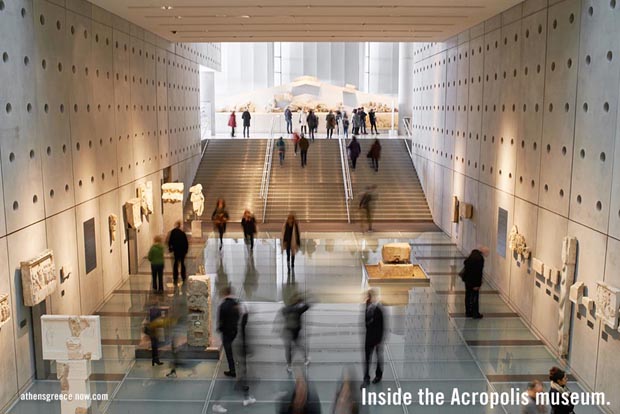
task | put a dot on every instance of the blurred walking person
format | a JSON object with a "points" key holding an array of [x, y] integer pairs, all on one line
{"points": [[354, 151], [296, 137], [559, 394], [346, 396], [472, 276], [156, 257], [534, 388], [232, 123], [373, 343], [228, 315], [302, 399], [281, 145], [248, 222], [178, 328], [366, 205], [220, 218], [345, 124], [246, 123], [291, 240], [156, 321], [313, 124], [304, 144], [242, 351], [374, 154], [292, 332], [179, 246]]}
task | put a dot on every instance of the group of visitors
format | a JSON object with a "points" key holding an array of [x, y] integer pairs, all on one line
{"points": [[232, 123]]}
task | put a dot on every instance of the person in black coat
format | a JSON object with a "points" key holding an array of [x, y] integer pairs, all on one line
{"points": [[373, 121], [472, 276], [559, 394], [248, 222], [178, 245], [220, 218], [228, 315], [373, 342], [246, 123], [354, 151]]}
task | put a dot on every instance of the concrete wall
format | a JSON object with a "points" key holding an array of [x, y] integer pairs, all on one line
{"points": [[521, 112], [90, 106]]}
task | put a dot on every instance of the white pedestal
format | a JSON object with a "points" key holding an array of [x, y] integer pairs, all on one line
{"points": [[173, 212], [393, 133], [197, 229], [74, 383]]}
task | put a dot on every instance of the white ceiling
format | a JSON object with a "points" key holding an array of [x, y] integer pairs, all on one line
{"points": [[306, 20]]}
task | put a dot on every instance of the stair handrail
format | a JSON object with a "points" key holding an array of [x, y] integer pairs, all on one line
{"points": [[346, 173], [409, 132], [268, 161]]}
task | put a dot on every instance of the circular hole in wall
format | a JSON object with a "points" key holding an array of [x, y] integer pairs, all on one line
{"points": [[548, 148], [64, 148], [532, 183], [563, 150], [15, 205], [566, 107], [610, 56], [80, 183], [102, 176], [552, 66], [35, 199], [49, 151], [561, 193], [66, 188], [602, 157], [569, 62], [585, 107], [571, 18], [92, 179], [52, 193], [8, 108], [31, 154], [555, 24], [26, 60], [72, 30], [42, 19], [550, 107], [578, 199], [5, 57], [612, 4], [588, 59], [599, 205], [582, 153], [606, 107], [521, 180], [44, 64], [546, 188], [535, 145], [12, 157], [590, 10], [58, 25]]}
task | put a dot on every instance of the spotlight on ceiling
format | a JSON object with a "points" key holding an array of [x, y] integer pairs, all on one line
{"points": [[245, 16], [167, 7]]}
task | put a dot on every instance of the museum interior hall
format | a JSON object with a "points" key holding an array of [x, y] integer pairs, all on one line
{"points": [[305, 207]]}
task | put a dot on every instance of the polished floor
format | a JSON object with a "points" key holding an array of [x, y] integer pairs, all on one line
{"points": [[430, 342]]}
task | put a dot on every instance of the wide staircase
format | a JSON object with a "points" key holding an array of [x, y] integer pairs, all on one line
{"points": [[232, 170], [398, 195], [314, 193]]}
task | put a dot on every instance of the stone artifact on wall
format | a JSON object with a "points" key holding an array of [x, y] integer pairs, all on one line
{"points": [[112, 222], [5, 309], [145, 194], [466, 210], [70, 337], [39, 278], [133, 213], [172, 192], [198, 304], [538, 266], [516, 243], [565, 281], [197, 199], [455, 209], [607, 304], [576, 292]]}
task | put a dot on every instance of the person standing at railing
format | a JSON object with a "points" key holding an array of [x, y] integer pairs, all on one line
{"points": [[288, 117], [313, 123], [281, 149], [303, 121], [345, 124], [246, 123], [232, 123], [354, 151], [330, 121]]}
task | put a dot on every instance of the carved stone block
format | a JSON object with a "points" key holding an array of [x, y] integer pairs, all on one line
{"points": [[576, 293], [455, 209], [39, 278], [197, 329], [199, 285], [5, 309], [133, 213], [396, 253], [112, 223], [538, 266], [552, 275], [466, 210], [516, 243], [172, 192], [396, 270], [569, 250], [607, 304], [145, 194], [588, 303], [67, 337]]}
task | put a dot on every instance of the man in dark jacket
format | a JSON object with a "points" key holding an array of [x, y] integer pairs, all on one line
{"points": [[178, 245], [303, 146], [373, 121], [227, 324], [313, 124], [288, 117], [246, 123], [472, 276], [375, 328], [292, 316], [374, 154], [362, 120], [354, 151]]}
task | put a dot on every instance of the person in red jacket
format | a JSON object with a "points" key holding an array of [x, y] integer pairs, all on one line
{"points": [[232, 123]]}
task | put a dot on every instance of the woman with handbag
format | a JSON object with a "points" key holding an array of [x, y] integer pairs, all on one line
{"points": [[290, 240]]}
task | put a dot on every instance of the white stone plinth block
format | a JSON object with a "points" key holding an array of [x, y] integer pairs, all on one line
{"points": [[39, 278], [172, 193], [197, 229], [538, 266], [576, 293], [569, 250], [74, 384], [70, 337], [173, 212], [396, 253]]}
